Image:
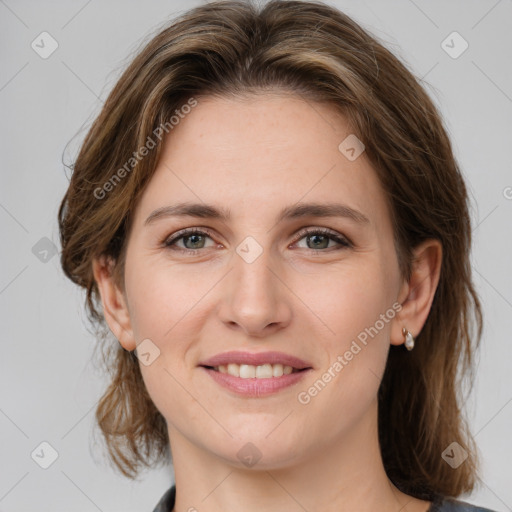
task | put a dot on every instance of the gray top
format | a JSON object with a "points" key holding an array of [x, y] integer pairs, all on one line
{"points": [[166, 504]]}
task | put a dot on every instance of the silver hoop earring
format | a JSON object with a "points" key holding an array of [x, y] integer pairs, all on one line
{"points": [[409, 340]]}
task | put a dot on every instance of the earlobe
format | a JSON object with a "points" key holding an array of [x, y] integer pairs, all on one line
{"points": [[114, 304], [417, 294]]}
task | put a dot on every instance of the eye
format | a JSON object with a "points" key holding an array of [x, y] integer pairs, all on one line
{"points": [[193, 239], [320, 239]]}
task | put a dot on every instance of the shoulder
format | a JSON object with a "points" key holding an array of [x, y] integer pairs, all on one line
{"points": [[452, 505], [166, 502]]}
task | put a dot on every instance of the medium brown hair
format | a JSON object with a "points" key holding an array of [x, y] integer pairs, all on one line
{"points": [[235, 48]]}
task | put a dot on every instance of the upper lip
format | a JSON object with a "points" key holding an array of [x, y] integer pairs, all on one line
{"points": [[255, 359]]}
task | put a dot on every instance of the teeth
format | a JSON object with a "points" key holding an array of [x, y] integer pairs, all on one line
{"points": [[277, 370], [249, 371], [233, 369], [264, 371]]}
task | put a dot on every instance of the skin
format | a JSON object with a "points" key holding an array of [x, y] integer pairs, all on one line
{"points": [[257, 155]]}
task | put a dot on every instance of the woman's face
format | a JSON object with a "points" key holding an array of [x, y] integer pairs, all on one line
{"points": [[263, 282]]}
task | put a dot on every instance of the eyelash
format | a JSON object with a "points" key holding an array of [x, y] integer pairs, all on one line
{"points": [[344, 242]]}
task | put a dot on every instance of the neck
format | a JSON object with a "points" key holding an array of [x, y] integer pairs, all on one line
{"points": [[346, 476]]}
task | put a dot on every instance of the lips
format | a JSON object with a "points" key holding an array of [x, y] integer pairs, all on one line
{"points": [[255, 375]]}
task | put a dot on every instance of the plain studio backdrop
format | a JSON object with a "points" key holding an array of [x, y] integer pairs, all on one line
{"points": [[49, 95]]}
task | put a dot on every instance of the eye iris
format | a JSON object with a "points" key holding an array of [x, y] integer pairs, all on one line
{"points": [[316, 246], [193, 236]]}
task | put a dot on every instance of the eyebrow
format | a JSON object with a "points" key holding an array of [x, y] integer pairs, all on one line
{"points": [[296, 211]]}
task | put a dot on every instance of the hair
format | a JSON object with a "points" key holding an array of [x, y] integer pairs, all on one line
{"points": [[305, 48]]}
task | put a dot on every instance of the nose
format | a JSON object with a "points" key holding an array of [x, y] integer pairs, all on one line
{"points": [[255, 298]]}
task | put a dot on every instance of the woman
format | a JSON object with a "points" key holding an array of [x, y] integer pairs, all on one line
{"points": [[268, 216]]}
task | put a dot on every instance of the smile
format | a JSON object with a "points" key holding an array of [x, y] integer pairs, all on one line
{"points": [[255, 374]]}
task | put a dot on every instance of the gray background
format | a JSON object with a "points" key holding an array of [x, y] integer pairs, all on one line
{"points": [[49, 385]]}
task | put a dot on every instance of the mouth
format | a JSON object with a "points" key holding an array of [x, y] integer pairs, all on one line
{"points": [[255, 374], [259, 365]]}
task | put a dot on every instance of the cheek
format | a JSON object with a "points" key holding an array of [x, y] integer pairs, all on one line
{"points": [[356, 309], [165, 307], [161, 297], [348, 301]]}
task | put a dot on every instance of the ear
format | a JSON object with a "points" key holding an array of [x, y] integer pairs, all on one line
{"points": [[115, 307], [417, 294]]}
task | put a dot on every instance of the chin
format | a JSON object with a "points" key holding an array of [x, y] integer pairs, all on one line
{"points": [[256, 452]]}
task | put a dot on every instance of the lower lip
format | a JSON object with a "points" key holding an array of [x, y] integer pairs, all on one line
{"points": [[254, 387]]}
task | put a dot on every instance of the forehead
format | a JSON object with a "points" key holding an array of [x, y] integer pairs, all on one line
{"points": [[258, 154]]}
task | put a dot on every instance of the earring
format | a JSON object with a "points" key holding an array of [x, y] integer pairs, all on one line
{"points": [[409, 340]]}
